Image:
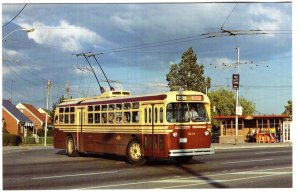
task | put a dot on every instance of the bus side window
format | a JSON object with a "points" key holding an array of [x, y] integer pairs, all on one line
{"points": [[126, 117], [111, 117], [72, 118], [135, 105], [104, 118], [145, 115], [155, 115], [161, 115], [61, 119], [119, 117], [90, 118], [56, 119], [66, 118], [111, 107], [127, 106], [135, 117], [97, 117], [104, 107]]}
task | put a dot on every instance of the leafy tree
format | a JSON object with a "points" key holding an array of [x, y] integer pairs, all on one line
{"points": [[288, 109], [223, 104], [54, 105], [188, 75]]}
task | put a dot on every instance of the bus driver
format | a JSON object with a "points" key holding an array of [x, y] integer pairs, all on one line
{"points": [[191, 114]]}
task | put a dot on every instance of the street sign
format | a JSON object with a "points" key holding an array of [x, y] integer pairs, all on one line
{"points": [[235, 81], [239, 110]]}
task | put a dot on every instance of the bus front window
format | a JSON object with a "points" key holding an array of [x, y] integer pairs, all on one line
{"points": [[186, 112]]}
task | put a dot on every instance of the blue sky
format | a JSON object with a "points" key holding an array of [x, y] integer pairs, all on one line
{"points": [[29, 60]]}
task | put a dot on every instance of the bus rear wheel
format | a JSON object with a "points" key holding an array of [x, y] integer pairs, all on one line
{"points": [[134, 153], [183, 159], [70, 147]]}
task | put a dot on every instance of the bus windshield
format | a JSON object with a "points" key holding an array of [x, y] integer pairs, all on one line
{"points": [[186, 112]]}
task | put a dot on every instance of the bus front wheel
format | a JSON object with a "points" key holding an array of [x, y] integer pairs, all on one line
{"points": [[70, 147], [134, 153]]}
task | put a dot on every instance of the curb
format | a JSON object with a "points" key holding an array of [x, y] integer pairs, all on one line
{"points": [[248, 146]]}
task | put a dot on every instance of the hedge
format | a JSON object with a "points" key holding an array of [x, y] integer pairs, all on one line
{"points": [[11, 140]]}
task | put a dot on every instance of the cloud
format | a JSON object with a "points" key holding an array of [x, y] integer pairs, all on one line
{"points": [[66, 36], [267, 18]]}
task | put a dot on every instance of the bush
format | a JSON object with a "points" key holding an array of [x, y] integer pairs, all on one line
{"points": [[41, 132], [11, 140]]}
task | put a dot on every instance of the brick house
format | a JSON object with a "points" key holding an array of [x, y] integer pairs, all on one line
{"points": [[14, 121], [34, 115]]}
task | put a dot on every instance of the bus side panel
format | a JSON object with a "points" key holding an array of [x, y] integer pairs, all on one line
{"points": [[59, 139], [111, 143]]}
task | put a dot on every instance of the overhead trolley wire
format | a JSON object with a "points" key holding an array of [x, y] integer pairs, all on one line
{"points": [[15, 16]]}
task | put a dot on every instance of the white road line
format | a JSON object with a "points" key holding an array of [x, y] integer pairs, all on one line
{"points": [[74, 175], [187, 178], [273, 152], [231, 162], [221, 181]]}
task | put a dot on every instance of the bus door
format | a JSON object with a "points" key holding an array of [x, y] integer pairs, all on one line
{"points": [[79, 132], [150, 124]]}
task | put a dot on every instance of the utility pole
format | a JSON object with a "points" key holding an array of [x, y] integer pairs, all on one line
{"points": [[46, 123], [237, 97]]}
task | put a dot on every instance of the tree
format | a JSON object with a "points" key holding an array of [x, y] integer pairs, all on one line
{"points": [[223, 104], [188, 75], [54, 105], [288, 109]]}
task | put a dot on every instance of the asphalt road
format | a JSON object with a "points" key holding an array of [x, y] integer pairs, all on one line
{"points": [[239, 168]]}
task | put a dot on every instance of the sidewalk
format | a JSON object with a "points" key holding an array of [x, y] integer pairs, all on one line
{"points": [[216, 146], [7, 149]]}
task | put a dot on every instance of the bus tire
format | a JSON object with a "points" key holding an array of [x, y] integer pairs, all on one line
{"points": [[70, 147], [134, 153], [182, 159]]}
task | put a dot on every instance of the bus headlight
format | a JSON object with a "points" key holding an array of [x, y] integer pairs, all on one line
{"points": [[174, 134], [206, 133]]}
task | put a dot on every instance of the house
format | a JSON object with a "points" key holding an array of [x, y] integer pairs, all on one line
{"points": [[14, 121], [34, 115], [247, 124]]}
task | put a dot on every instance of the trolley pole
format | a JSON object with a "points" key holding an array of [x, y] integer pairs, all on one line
{"points": [[237, 98], [47, 102]]}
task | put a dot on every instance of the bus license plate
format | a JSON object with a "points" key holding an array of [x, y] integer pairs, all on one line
{"points": [[182, 140]]}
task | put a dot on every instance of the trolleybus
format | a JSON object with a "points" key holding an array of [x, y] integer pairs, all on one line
{"points": [[174, 124]]}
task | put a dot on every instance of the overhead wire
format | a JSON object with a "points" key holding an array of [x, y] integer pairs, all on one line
{"points": [[15, 16]]}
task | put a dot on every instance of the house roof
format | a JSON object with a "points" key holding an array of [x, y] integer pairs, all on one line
{"points": [[36, 113], [14, 111]]}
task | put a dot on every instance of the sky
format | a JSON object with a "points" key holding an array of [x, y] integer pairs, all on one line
{"points": [[138, 43]]}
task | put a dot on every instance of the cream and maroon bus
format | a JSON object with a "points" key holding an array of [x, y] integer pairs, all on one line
{"points": [[174, 124]]}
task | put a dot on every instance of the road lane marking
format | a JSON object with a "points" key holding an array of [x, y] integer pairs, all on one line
{"points": [[187, 178], [74, 175], [273, 152], [220, 181], [242, 161]]}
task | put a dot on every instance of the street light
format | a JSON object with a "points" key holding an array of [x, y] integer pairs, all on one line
{"points": [[21, 29]]}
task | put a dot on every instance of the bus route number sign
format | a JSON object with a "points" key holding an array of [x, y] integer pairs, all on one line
{"points": [[235, 81]]}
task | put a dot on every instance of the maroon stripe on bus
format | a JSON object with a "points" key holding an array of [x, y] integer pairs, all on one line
{"points": [[124, 100]]}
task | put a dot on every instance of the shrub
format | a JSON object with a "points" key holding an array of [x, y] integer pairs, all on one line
{"points": [[11, 140], [41, 132]]}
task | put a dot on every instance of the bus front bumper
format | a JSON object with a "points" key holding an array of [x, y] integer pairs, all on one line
{"points": [[191, 152]]}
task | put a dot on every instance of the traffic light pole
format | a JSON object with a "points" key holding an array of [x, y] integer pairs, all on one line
{"points": [[237, 99]]}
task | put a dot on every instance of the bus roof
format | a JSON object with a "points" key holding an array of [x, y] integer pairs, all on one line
{"points": [[173, 95]]}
